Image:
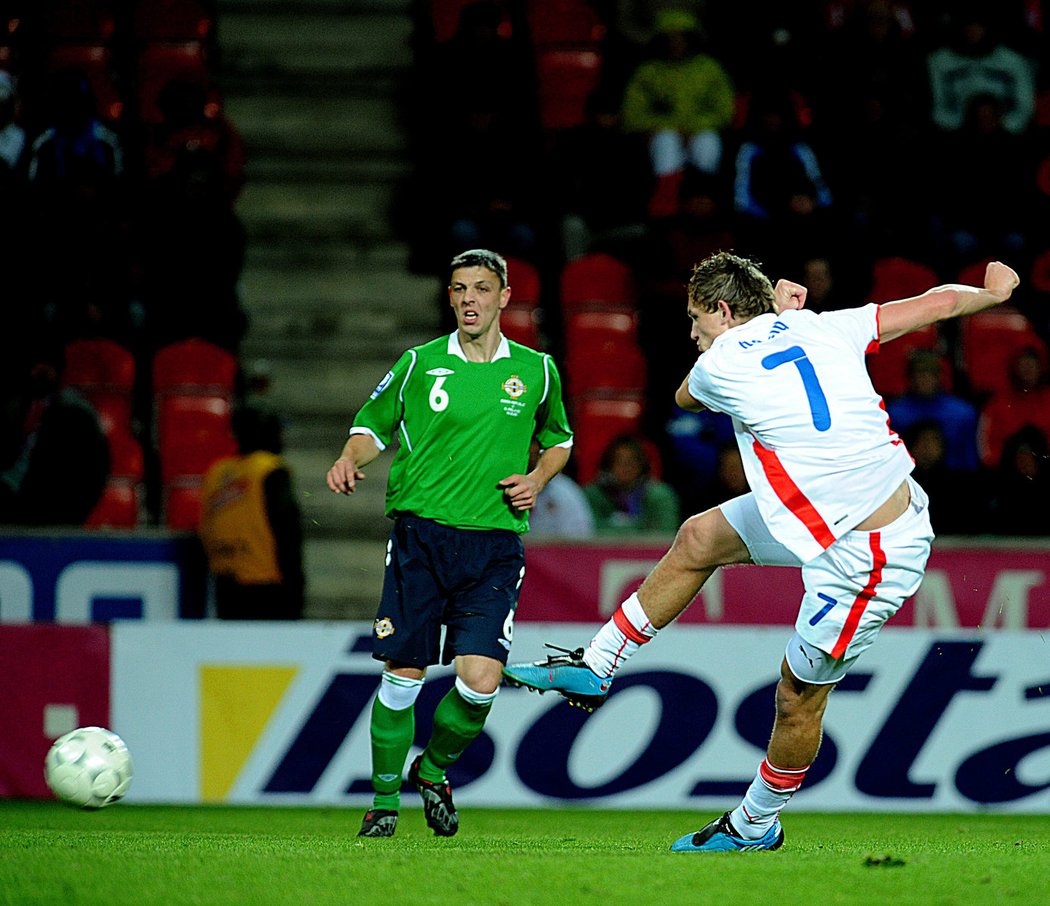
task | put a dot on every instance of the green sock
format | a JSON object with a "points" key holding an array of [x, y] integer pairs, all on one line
{"points": [[392, 733], [457, 723]]}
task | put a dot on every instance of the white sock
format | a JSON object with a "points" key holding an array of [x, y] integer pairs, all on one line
{"points": [[768, 794], [618, 639]]}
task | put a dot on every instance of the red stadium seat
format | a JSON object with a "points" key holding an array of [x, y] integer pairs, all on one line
{"points": [[173, 20], [990, 340], [162, 62], [445, 18], [524, 282], [120, 504], [182, 506], [192, 432], [973, 274], [118, 507], [521, 325], [103, 372], [596, 421], [602, 352], [1039, 277], [598, 281], [71, 21], [565, 80], [194, 365], [895, 277], [564, 22]]}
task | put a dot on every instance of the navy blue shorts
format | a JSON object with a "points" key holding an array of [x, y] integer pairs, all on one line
{"points": [[464, 580]]}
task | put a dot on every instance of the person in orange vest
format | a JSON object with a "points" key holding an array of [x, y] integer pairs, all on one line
{"points": [[250, 526]]}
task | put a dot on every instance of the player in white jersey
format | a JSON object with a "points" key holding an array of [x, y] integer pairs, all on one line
{"points": [[831, 494]]}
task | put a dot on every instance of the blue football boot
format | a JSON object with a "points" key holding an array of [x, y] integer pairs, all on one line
{"points": [[564, 673], [721, 837]]}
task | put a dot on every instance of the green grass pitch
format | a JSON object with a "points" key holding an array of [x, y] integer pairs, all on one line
{"points": [[129, 854]]}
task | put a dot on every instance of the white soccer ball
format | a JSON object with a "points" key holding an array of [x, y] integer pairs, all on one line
{"points": [[89, 767]]}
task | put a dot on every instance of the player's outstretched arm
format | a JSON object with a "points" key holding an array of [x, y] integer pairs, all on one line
{"points": [[944, 302], [358, 451]]}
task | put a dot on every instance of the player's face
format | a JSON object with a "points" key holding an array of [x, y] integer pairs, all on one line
{"points": [[476, 298], [706, 325]]}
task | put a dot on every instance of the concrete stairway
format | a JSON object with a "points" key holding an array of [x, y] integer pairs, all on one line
{"points": [[312, 86]]}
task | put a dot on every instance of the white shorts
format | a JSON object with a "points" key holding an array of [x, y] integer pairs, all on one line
{"points": [[852, 588]]}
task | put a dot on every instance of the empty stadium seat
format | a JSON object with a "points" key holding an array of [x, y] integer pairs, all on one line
{"points": [[172, 20], [564, 22], [524, 282], [194, 365], [521, 325], [71, 21], [182, 507], [565, 80], [896, 277], [120, 504], [598, 281], [602, 352]]}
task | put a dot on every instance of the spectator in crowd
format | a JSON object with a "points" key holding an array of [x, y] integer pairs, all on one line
{"points": [[1026, 402], [959, 498], [682, 99], [191, 247], [780, 196], [625, 498], [562, 510], [12, 135], [77, 229], [975, 62], [47, 428], [601, 209], [479, 141], [696, 441], [190, 121], [250, 526], [927, 399], [994, 215], [1021, 499]]}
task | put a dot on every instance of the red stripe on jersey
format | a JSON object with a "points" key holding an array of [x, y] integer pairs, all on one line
{"points": [[783, 780], [791, 495], [627, 627], [878, 558]]}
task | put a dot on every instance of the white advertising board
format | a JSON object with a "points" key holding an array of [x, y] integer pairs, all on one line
{"points": [[279, 714]]}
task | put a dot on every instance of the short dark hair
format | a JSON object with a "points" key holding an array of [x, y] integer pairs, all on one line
{"points": [[481, 258], [738, 281]]}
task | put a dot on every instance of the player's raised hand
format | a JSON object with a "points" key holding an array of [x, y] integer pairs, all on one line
{"points": [[1000, 279], [344, 475], [788, 296]]}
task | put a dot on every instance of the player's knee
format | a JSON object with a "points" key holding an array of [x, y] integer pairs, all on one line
{"points": [[797, 700], [700, 541]]}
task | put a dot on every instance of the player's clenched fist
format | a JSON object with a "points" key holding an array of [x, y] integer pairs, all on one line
{"points": [[344, 475], [1000, 279], [788, 295]]}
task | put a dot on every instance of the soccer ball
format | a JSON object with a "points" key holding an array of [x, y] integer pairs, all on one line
{"points": [[89, 767]]}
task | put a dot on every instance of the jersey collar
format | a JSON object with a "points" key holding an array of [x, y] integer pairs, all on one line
{"points": [[456, 349]]}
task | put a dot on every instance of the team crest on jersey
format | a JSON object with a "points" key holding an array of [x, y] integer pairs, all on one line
{"points": [[382, 385], [514, 387], [383, 627], [441, 372]]}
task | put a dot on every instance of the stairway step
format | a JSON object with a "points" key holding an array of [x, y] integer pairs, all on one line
{"points": [[344, 577]]}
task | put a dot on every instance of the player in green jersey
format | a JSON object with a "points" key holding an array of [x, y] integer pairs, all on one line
{"points": [[464, 410]]}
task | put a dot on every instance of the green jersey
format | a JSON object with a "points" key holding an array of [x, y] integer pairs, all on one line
{"points": [[463, 427]]}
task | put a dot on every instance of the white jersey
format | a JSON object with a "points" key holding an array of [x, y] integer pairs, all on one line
{"points": [[818, 450]]}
